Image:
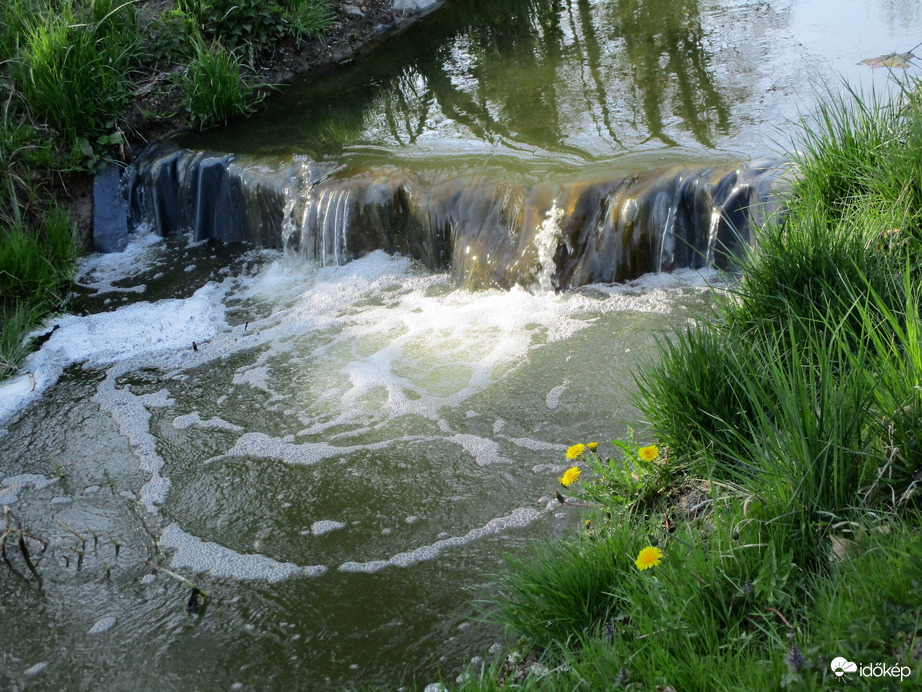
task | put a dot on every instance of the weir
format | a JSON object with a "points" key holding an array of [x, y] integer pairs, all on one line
{"points": [[486, 231]]}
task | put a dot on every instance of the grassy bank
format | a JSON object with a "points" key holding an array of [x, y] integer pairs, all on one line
{"points": [[80, 79], [777, 527]]}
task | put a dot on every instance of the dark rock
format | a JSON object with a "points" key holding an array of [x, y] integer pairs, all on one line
{"points": [[110, 211]]}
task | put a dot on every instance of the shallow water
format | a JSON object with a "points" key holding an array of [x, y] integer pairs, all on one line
{"points": [[539, 87], [341, 464], [340, 456]]}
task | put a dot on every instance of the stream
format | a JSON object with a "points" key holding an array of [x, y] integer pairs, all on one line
{"points": [[332, 379]]}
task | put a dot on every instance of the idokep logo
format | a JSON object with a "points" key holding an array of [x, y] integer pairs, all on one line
{"points": [[840, 666]]}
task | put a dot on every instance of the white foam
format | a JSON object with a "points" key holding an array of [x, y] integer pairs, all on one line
{"points": [[36, 669], [9, 495], [536, 445], [139, 328], [318, 528], [552, 400], [131, 413], [519, 518], [262, 446], [195, 419], [103, 624], [218, 561], [101, 271], [484, 451]]}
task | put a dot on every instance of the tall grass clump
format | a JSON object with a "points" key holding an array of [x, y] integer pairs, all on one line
{"points": [[214, 87], [36, 266], [15, 17], [74, 63]]}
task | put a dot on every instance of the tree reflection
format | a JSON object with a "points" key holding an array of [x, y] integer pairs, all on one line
{"points": [[663, 44], [532, 74]]}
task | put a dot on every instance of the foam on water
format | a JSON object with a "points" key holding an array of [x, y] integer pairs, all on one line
{"points": [[194, 419], [518, 519], [319, 528], [204, 556], [101, 271], [382, 339], [103, 624], [137, 329], [133, 331], [12, 486], [262, 446]]}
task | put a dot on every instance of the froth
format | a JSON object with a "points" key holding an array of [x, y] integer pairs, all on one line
{"points": [[518, 519], [218, 561]]}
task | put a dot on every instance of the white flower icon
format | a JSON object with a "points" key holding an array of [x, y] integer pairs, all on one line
{"points": [[841, 666]]}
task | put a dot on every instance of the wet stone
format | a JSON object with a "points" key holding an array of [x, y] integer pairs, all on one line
{"points": [[110, 211]]}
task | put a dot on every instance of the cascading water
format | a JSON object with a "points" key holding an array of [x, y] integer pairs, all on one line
{"points": [[487, 232], [332, 378]]}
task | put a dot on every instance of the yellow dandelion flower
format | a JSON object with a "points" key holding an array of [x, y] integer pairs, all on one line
{"points": [[648, 453], [576, 451], [649, 557], [569, 477], [592, 446]]}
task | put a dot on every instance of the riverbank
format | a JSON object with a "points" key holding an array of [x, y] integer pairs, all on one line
{"points": [[768, 538], [91, 83]]}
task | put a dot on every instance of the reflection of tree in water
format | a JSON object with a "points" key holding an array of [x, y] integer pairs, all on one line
{"points": [[662, 48], [663, 42], [523, 73]]}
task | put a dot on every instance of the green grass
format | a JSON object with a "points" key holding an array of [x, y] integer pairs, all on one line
{"points": [[215, 91], [256, 25], [74, 66], [721, 611], [36, 266]]}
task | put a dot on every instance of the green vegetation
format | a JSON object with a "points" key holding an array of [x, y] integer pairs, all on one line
{"points": [[256, 25], [213, 87], [70, 70], [35, 269], [784, 494], [73, 66]]}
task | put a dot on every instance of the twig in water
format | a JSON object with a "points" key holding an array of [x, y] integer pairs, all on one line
{"points": [[82, 539], [177, 576]]}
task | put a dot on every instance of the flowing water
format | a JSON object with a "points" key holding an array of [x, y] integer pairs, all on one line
{"points": [[338, 429]]}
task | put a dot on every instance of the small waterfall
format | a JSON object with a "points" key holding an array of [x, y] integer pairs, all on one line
{"points": [[486, 232], [325, 225], [546, 241]]}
